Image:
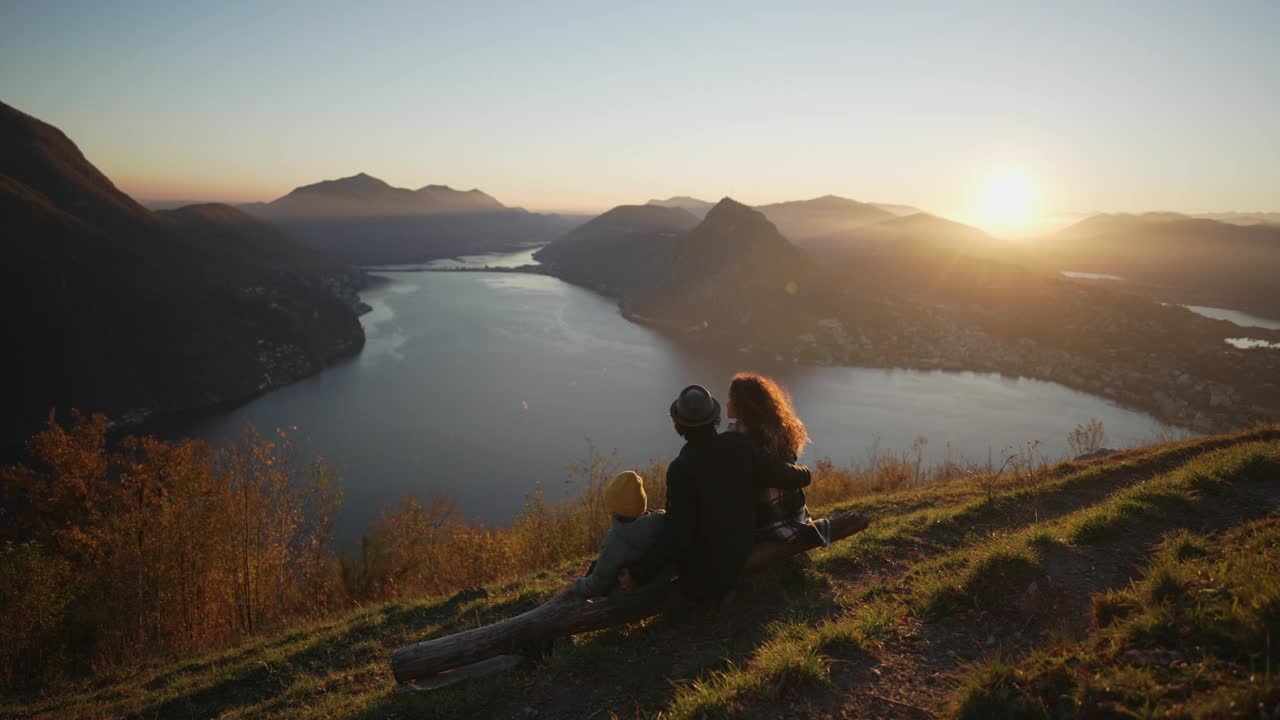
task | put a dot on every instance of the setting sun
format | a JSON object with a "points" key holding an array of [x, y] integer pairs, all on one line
{"points": [[1008, 200]]}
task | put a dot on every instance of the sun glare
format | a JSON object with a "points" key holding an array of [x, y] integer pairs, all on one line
{"points": [[1008, 201]]}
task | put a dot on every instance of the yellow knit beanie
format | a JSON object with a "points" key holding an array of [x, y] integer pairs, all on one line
{"points": [[625, 495]]}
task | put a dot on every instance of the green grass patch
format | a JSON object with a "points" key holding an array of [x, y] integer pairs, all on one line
{"points": [[1194, 637], [1111, 607], [1178, 490], [786, 664], [994, 690], [1183, 545], [992, 579]]}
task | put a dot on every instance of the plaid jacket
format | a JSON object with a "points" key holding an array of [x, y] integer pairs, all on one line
{"points": [[782, 515]]}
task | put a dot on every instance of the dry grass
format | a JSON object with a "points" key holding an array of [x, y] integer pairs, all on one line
{"points": [[800, 637]]}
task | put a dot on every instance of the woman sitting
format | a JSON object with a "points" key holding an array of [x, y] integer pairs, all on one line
{"points": [[759, 407]]}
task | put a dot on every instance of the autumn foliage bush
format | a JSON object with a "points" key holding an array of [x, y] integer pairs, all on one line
{"points": [[114, 551], [144, 546]]}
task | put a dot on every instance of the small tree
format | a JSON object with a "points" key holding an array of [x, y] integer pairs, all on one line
{"points": [[1087, 438], [35, 590]]}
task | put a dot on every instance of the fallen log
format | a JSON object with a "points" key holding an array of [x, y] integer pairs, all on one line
{"points": [[567, 615], [484, 668]]}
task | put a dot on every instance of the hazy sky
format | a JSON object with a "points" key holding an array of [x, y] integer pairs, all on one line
{"points": [[1107, 106]]}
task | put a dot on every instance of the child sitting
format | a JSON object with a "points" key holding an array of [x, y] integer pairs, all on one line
{"points": [[628, 538]]}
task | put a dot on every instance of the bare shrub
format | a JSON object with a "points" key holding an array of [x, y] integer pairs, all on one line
{"points": [[1087, 438], [416, 550], [833, 484]]}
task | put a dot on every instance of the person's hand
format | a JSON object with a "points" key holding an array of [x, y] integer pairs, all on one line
{"points": [[625, 579]]}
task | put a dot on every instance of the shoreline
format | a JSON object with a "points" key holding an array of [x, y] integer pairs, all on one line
{"points": [[1166, 410], [172, 424], [1162, 405]]}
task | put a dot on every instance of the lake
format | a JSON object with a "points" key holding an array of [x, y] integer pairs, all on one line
{"points": [[1234, 316], [1244, 343], [1089, 276], [1243, 320], [482, 384]]}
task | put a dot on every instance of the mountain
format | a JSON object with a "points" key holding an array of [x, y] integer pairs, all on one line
{"points": [[824, 217], [923, 230], [920, 256], [1117, 222], [1165, 233], [1183, 259], [826, 212], [621, 251], [364, 220], [695, 206], [364, 195], [920, 233], [137, 314], [1244, 218], [898, 209], [624, 221], [171, 204], [236, 234], [735, 264], [732, 277]]}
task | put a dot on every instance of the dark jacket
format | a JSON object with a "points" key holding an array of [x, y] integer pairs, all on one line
{"points": [[710, 525]]}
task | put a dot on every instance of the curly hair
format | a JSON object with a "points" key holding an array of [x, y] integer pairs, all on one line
{"points": [[765, 409]]}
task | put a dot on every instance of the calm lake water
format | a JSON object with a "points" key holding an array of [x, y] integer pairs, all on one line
{"points": [[1089, 275], [1243, 320], [482, 384], [1234, 316], [1244, 343]]}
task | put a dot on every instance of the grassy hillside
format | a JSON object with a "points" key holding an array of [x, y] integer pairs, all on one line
{"points": [[1142, 584]]}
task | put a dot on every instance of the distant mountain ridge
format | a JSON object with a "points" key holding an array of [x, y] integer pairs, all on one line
{"points": [[1244, 218], [1117, 222], [1193, 260], [898, 209], [140, 314], [365, 195], [801, 219], [693, 205], [639, 253], [366, 221], [822, 217]]}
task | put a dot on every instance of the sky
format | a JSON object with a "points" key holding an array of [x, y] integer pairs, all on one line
{"points": [[983, 111]]}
